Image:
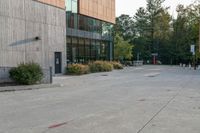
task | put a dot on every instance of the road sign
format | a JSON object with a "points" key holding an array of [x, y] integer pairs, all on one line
{"points": [[154, 54], [192, 49]]}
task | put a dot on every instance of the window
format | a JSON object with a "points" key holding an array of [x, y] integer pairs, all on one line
{"points": [[72, 6]]}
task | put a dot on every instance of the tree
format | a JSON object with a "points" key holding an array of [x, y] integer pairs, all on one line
{"points": [[152, 30], [122, 49], [125, 27], [186, 31], [156, 14], [152, 26], [141, 22]]}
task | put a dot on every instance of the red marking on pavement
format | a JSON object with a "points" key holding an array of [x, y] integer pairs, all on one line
{"points": [[57, 125]]}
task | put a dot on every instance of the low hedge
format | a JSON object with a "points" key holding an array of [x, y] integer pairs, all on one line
{"points": [[117, 65], [100, 66], [93, 67], [77, 69], [27, 74]]}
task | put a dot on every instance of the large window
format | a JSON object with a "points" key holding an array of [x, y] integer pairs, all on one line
{"points": [[82, 50], [77, 21], [81, 22]]}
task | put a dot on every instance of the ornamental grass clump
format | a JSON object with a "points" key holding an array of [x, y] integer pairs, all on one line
{"points": [[77, 69], [117, 65], [100, 66]]}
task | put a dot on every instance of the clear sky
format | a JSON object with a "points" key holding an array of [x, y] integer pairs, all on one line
{"points": [[130, 6]]}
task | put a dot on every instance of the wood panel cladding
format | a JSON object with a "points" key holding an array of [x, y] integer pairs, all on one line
{"points": [[100, 9], [57, 3]]}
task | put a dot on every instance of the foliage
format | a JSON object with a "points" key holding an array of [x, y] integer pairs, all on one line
{"points": [[152, 30], [97, 66], [141, 23], [122, 49], [117, 65], [27, 74], [186, 31], [124, 26], [100, 66], [77, 69]]}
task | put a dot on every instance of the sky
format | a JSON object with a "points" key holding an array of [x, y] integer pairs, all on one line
{"points": [[130, 6]]}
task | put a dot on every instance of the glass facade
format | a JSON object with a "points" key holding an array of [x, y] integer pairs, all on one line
{"points": [[91, 38], [81, 50]]}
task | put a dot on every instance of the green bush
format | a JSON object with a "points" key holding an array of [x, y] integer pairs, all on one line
{"points": [[117, 65], [77, 69], [27, 74], [101, 66]]}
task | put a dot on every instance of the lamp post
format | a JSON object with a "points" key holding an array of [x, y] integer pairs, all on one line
{"points": [[138, 56], [199, 34], [193, 51]]}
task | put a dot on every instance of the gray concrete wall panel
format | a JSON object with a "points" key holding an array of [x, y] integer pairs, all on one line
{"points": [[23, 20]]}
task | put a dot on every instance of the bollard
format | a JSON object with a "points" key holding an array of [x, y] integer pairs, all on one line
{"points": [[51, 75]]}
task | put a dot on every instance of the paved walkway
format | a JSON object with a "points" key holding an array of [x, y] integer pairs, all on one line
{"points": [[148, 99]]}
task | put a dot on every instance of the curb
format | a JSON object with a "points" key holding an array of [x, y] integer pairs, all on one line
{"points": [[27, 87]]}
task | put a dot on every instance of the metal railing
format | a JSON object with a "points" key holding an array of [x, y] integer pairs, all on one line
{"points": [[138, 63]]}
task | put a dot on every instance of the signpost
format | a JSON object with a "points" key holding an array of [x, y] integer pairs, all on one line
{"points": [[192, 50]]}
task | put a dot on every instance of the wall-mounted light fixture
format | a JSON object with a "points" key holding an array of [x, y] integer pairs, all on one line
{"points": [[37, 38]]}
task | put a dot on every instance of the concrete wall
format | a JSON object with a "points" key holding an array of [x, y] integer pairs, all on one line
{"points": [[23, 20], [4, 74]]}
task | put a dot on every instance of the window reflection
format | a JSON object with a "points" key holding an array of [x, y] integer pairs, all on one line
{"points": [[81, 50]]}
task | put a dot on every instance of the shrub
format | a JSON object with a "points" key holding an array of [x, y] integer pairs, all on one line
{"points": [[27, 74], [101, 66], [77, 69], [117, 65]]}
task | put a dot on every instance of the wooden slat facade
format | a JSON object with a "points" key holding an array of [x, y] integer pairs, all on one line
{"points": [[100, 9], [57, 3]]}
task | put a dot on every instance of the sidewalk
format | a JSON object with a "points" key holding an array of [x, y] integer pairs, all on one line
{"points": [[57, 82], [27, 87]]}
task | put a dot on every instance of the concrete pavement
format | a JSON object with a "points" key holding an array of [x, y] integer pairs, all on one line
{"points": [[148, 99], [27, 87]]}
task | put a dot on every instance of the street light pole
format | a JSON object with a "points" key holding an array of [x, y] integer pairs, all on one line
{"points": [[138, 56], [199, 34], [193, 51], [195, 67]]}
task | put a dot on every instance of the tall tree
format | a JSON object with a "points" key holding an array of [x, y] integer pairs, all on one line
{"points": [[141, 22], [141, 41], [186, 31], [154, 11], [152, 30], [125, 26], [152, 26]]}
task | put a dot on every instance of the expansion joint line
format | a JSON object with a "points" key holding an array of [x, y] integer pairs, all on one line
{"points": [[157, 113]]}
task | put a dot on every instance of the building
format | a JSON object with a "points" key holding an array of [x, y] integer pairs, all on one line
{"points": [[54, 32], [89, 30], [32, 30]]}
